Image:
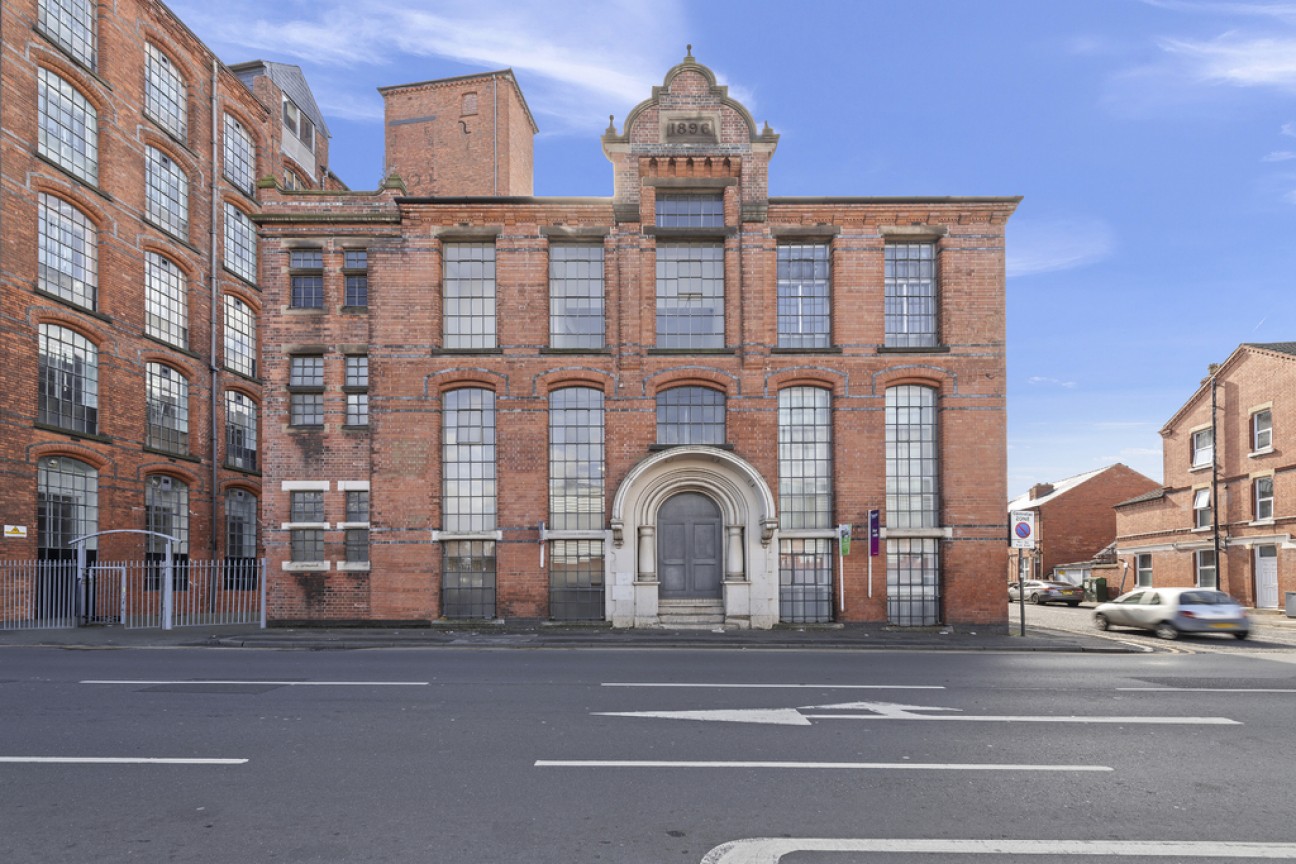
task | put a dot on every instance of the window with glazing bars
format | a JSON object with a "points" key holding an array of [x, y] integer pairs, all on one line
{"points": [[357, 505], [164, 92], [306, 545], [69, 380], [240, 244], [576, 580], [1143, 570], [576, 459], [240, 337], [1203, 447], [166, 301], [355, 272], [166, 512], [690, 415], [306, 505], [71, 24], [306, 272], [1262, 430], [468, 461], [67, 506], [913, 581], [240, 155], [168, 193], [1202, 508], [69, 127], [1264, 498], [356, 387], [690, 295], [168, 409], [805, 580], [805, 458], [910, 295], [68, 252], [803, 295], [691, 210], [1207, 572], [469, 314], [240, 431], [242, 572], [306, 391], [468, 579], [576, 297], [911, 460], [357, 539]]}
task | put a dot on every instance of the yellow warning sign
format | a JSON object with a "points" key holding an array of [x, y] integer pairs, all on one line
{"points": [[17, 532]]}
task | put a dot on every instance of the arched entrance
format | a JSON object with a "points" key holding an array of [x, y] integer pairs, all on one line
{"points": [[690, 563]]}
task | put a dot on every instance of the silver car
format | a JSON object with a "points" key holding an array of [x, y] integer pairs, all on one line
{"points": [[1171, 611], [1039, 591]]}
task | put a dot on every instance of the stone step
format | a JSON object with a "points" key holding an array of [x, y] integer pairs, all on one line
{"points": [[691, 614]]}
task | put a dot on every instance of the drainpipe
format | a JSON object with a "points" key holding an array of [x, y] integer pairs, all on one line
{"points": [[1215, 501], [212, 368], [495, 132]]}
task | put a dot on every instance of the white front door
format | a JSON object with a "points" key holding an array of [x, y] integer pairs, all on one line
{"points": [[1266, 577]]}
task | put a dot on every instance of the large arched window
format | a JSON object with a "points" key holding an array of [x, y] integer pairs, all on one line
{"points": [[168, 193], [166, 299], [69, 127], [805, 505], [240, 337], [168, 409], [468, 503], [67, 507], [913, 502], [68, 252], [240, 431], [576, 469], [690, 415], [69, 380], [71, 24]]}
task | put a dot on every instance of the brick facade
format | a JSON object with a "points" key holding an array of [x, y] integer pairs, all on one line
{"points": [[1255, 386], [689, 139]]}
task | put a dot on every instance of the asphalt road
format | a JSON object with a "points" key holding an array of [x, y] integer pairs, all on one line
{"points": [[548, 756]]}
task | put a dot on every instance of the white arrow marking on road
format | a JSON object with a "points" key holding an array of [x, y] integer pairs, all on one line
{"points": [[892, 711], [762, 850]]}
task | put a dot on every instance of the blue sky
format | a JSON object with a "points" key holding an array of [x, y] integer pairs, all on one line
{"points": [[1154, 142]]}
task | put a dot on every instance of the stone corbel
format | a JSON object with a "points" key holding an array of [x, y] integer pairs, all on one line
{"points": [[618, 533], [768, 527]]}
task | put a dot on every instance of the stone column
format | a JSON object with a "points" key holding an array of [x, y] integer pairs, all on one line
{"points": [[735, 567], [647, 554]]}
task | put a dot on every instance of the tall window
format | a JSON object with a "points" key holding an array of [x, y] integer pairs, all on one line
{"points": [[71, 24], [240, 337], [1202, 508], [910, 289], [355, 272], [241, 571], [911, 462], [468, 503], [690, 415], [240, 431], [166, 511], [469, 295], [1264, 498], [1207, 573], [67, 506], [357, 531], [913, 581], [298, 124], [306, 272], [240, 155], [690, 210], [168, 193], [68, 252], [306, 391], [1262, 430], [576, 471], [306, 536], [690, 295], [356, 387], [240, 243], [1143, 570], [164, 92], [166, 300], [69, 380], [803, 295], [1203, 448], [805, 503], [69, 127], [168, 409], [576, 297]]}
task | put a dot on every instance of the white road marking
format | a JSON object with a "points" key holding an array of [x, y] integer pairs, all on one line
{"points": [[1207, 689], [892, 711], [762, 850], [273, 683], [783, 686], [854, 766], [118, 760]]}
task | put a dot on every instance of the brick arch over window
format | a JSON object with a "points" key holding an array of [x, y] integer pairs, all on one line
{"points": [[437, 383], [942, 380], [691, 376], [83, 84], [558, 379], [832, 380]]}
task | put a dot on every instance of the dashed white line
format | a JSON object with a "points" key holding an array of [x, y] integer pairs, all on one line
{"points": [[273, 683], [725, 686]]}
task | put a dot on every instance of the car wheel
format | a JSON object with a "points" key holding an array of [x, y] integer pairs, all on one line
{"points": [[1166, 630], [1035, 598], [1101, 622], [1241, 634], [1074, 604]]}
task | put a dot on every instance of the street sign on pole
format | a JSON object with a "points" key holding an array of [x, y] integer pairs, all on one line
{"points": [[1021, 533]]}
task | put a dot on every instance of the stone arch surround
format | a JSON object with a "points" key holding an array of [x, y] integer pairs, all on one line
{"points": [[749, 513]]}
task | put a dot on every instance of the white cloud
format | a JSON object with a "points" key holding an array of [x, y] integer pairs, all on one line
{"points": [[1279, 156], [1238, 59], [1044, 246], [1052, 382], [1289, 129]]}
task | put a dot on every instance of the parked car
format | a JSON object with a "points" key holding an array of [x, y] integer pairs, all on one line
{"points": [[1039, 591], [1171, 611]]}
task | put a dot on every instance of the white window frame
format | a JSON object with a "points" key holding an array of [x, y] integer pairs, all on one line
{"points": [[1264, 503], [1202, 444], [1143, 570], [1262, 435], [1201, 508]]}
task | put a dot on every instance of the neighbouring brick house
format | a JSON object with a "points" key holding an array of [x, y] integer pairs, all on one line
{"points": [[655, 407], [1074, 519], [132, 166], [1225, 515]]}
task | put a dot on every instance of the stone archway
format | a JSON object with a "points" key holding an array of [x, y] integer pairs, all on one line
{"points": [[748, 522]]}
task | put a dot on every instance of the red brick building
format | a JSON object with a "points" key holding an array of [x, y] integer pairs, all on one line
{"points": [[1224, 517], [1074, 519], [646, 409], [132, 165]]}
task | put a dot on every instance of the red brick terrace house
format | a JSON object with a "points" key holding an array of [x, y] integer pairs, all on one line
{"points": [[1226, 513], [1074, 519], [646, 409]]}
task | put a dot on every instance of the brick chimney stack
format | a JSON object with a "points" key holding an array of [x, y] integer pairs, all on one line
{"points": [[1039, 490]]}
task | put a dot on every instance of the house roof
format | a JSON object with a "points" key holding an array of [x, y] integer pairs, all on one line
{"points": [[1146, 496], [1285, 350], [290, 80], [1026, 502]]}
